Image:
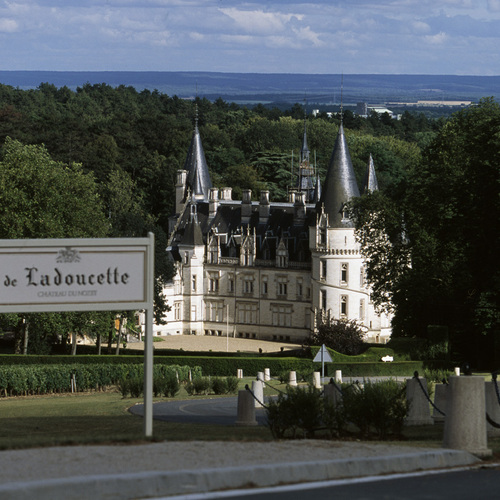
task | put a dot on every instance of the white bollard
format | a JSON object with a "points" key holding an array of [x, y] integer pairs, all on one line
{"points": [[419, 412], [258, 392], [246, 409], [267, 374], [292, 380], [492, 409], [457, 371], [465, 423], [260, 376], [317, 380], [338, 376], [239, 373]]}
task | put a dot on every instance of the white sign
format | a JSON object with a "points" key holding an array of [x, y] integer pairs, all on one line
{"points": [[74, 274], [323, 356]]}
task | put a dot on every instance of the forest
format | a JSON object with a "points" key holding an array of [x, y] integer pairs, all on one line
{"points": [[121, 148]]}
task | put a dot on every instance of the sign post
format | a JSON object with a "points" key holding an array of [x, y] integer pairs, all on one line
{"points": [[103, 274], [323, 356]]}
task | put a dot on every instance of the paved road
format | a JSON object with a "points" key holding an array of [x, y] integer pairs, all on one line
{"points": [[221, 411], [474, 484]]}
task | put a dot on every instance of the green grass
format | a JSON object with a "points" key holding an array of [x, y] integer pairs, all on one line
{"points": [[103, 418]]}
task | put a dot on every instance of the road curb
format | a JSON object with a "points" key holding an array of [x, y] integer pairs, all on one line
{"points": [[157, 483]]}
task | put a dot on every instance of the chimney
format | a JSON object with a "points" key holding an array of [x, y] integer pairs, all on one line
{"points": [[299, 208], [264, 207], [213, 202], [226, 193], [246, 206]]}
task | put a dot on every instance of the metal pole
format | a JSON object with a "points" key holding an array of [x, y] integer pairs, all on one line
{"points": [[148, 343], [227, 327]]}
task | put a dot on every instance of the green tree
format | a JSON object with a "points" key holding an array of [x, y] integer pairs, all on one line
{"points": [[42, 198], [446, 220]]}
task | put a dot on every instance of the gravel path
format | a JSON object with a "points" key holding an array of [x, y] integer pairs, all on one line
{"points": [[222, 344]]}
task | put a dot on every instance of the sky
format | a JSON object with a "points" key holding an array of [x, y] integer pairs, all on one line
{"points": [[453, 37]]}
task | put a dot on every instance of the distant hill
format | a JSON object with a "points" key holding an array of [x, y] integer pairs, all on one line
{"points": [[273, 87]]}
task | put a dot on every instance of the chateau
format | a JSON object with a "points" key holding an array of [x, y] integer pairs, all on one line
{"points": [[268, 270]]}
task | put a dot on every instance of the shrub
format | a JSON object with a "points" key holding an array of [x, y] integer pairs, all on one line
{"points": [[219, 385], [232, 385], [171, 385], [299, 411], [378, 407], [201, 385], [342, 335]]}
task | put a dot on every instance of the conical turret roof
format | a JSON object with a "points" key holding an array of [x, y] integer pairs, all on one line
{"points": [[198, 178], [370, 183], [340, 183]]}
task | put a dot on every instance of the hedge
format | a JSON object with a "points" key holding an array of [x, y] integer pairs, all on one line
{"points": [[20, 380], [372, 354]]}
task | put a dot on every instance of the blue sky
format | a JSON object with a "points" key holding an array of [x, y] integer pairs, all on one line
{"points": [[458, 37]]}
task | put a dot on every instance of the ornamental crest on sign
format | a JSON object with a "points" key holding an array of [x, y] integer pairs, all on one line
{"points": [[68, 255]]}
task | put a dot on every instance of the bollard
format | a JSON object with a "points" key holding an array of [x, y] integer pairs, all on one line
{"points": [[267, 374], [338, 376], [239, 373], [260, 376], [440, 400], [292, 380], [419, 412], [246, 409], [317, 380], [258, 392], [457, 371], [465, 422], [492, 409]]}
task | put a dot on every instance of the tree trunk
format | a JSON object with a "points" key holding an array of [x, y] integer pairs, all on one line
{"points": [[25, 336], [98, 344], [119, 336], [110, 341], [73, 343]]}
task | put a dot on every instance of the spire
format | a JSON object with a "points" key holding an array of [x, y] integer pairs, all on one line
{"points": [[340, 183], [304, 151], [370, 183], [198, 178]]}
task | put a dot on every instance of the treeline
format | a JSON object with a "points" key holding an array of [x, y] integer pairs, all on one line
{"points": [[144, 136]]}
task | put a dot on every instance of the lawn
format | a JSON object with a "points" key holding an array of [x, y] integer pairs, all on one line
{"points": [[103, 418]]}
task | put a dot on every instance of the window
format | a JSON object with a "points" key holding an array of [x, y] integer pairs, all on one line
{"points": [[282, 315], [247, 313], [177, 287], [193, 283], [177, 310], [299, 289], [322, 235], [344, 268], [214, 311], [193, 313], [282, 286], [186, 257], [230, 283], [343, 305], [213, 283], [362, 276], [323, 269], [307, 317], [264, 285], [322, 294], [213, 256], [248, 284]]}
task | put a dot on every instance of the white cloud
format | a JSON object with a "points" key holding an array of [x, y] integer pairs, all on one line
{"points": [[436, 39], [8, 25], [258, 21]]}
